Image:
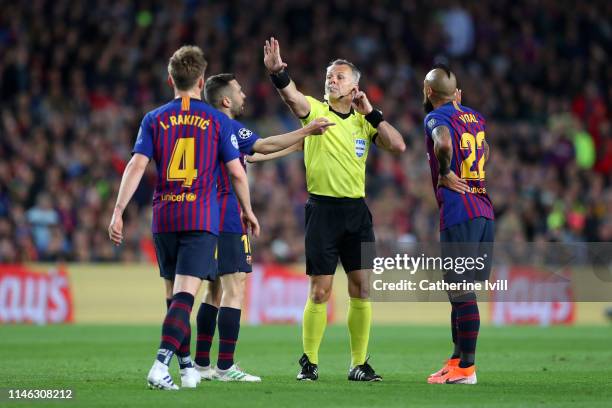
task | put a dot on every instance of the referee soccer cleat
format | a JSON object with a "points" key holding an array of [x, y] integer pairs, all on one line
{"points": [[363, 372], [309, 372], [456, 375], [159, 378], [235, 373], [190, 377], [449, 365], [206, 373]]}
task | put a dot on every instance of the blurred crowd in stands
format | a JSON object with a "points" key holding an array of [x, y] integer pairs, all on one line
{"points": [[77, 77]]}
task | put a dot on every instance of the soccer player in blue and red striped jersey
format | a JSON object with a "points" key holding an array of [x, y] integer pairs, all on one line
{"points": [[457, 152], [188, 139], [225, 295]]}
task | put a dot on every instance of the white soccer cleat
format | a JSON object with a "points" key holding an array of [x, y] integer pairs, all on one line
{"points": [[206, 373], [159, 377], [235, 373], [190, 377]]}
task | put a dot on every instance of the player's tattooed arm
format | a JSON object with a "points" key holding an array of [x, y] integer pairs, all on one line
{"points": [[443, 149], [486, 151], [296, 100], [129, 183]]}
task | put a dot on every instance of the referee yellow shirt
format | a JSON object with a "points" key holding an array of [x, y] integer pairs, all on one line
{"points": [[335, 162]]}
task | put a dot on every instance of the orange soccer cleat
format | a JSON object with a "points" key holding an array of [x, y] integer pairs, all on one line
{"points": [[456, 375], [450, 363]]}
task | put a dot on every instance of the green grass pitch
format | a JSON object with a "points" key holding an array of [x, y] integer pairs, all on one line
{"points": [[517, 367]]}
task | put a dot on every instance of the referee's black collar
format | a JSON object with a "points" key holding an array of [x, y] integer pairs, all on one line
{"points": [[342, 115]]}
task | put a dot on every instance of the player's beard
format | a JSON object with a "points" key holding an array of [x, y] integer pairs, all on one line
{"points": [[238, 111], [427, 105]]}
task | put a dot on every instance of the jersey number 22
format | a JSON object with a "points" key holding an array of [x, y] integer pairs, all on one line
{"points": [[471, 142]]}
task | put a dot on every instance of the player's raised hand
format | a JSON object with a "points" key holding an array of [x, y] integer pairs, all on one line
{"points": [[272, 57], [453, 182], [250, 222], [115, 229], [318, 126], [361, 103]]}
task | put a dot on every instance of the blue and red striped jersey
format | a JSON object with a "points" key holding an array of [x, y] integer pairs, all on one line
{"points": [[467, 129], [187, 138], [230, 207]]}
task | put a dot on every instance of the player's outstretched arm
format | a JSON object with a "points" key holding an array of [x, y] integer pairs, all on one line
{"points": [[277, 143], [241, 187], [129, 183], [296, 100], [388, 137], [443, 149], [258, 157]]}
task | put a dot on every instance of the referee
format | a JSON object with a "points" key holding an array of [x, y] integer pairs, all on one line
{"points": [[338, 221]]}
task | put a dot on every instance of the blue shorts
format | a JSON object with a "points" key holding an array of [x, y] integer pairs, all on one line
{"points": [[192, 253], [234, 253], [470, 239]]}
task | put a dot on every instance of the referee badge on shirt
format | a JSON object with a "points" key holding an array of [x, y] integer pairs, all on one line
{"points": [[360, 147]]}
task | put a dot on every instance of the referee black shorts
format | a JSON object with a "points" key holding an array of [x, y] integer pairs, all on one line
{"points": [[337, 227]]}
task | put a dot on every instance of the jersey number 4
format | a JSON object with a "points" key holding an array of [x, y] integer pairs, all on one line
{"points": [[182, 162], [471, 142]]}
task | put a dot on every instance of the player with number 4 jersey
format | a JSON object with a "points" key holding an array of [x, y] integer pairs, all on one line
{"points": [[188, 140]]}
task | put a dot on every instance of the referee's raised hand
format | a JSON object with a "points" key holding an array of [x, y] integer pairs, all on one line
{"points": [[318, 126], [272, 57]]}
